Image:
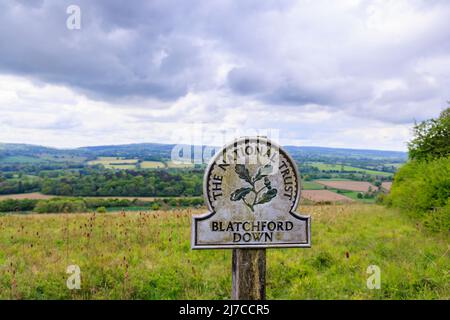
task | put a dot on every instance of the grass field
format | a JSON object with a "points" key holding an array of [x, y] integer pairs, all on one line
{"points": [[40, 196], [20, 159], [148, 256], [152, 165], [115, 163], [327, 166], [361, 186], [112, 160], [120, 163], [32, 195], [62, 158], [171, 164], [314, 192], [310, 185], [354, 196], [396, 165], [317, 196]]}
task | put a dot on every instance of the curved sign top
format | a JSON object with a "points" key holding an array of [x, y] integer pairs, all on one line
{"points": [[251, 188]]}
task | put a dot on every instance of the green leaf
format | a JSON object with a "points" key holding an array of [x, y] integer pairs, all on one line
{"points": [[266, 197], [243, 173], [263, 172], [240, 193]]}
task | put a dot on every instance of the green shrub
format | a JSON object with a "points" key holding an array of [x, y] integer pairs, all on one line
{"points": [[422, 186], [197, 202], [93, 203], [60, 206], [101, 210], [155, 206], [423, 189], [14, 205], [438, 220], [381, 198]]}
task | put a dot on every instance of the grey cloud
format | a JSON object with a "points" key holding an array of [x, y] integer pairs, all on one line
{"points": [[283, 52], [248, 82], [339, 62], [112, 55], [64, 123], [293, 89]]}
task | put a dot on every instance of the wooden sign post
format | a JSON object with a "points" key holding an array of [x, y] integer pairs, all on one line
{"points": [[248, 274], [251, 188]]}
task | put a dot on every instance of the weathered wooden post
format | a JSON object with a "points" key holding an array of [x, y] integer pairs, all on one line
{"points": [[251, 188], [248, 274]]}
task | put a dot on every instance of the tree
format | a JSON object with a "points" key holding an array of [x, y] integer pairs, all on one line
{"points": [[431, 138]]}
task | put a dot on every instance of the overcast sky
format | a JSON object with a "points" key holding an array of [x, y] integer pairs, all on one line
{"points": [[331, 73]]}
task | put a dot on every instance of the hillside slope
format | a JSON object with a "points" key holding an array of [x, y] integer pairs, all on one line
{"points": [[148, 256]]}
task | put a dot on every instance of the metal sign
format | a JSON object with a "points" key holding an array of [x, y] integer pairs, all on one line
{"points": [[251, 188]]}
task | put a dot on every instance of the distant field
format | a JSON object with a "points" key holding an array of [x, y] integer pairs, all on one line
{"points": [[120, 163], [396, 165], [386, 186], [115, 163], [171, 164], [40, 196], [324, 195], [62, 158], [33, 195], [326, 166], [361, 186], [115, 160], [354, 195], [337, 179], [121, 166], [314, 195], [112, 160], [309, 185], [152, 165], [41, 159], [20, 159]]}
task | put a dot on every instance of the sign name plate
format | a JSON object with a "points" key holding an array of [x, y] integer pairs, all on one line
{"points": [[251, 188]]}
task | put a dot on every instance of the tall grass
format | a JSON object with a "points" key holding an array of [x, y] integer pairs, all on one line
{"points": [[147, 255]]}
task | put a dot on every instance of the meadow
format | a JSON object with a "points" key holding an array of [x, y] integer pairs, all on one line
{"points": [[311, 185], [152, 165], [338, 167], [318, 196], [354, 196], [120, 163], [147, 255], [360, 186], [114, 163]]}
